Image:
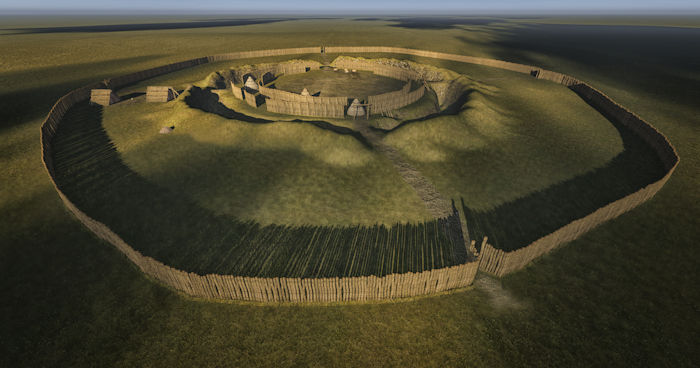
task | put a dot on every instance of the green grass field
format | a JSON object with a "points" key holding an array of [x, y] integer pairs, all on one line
{"points": [[623, 295], [300, 173]]}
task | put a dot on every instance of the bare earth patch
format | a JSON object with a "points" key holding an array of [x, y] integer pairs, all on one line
{"points": [[500, 298]]}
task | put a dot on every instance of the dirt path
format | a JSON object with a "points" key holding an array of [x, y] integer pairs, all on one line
{"points": [[500, 298], [436, 204]]}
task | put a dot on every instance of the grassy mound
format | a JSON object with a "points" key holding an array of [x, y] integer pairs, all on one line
{"points": [[487, 140], [168, 225], [283, 172], [503, 139]]}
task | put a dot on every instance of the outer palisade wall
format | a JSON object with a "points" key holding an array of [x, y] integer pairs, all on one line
{"points": [[501, 263], [370, 287]]}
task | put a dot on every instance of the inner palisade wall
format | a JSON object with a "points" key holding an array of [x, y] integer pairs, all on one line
{"points": [[305, 108], [395, 100], [279, 94], [284, 102], [369, 287]]}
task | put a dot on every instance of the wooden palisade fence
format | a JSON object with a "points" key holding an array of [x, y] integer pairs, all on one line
{"points": [[367, 287]]}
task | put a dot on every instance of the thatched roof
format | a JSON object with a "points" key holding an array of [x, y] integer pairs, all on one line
{"points": [[355, 109], [250, 84]]}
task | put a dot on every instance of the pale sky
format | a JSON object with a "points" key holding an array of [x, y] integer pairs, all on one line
{"points": [[451, 7]]}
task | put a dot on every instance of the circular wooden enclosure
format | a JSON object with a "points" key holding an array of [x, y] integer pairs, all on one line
{"points": [[277, 289]]}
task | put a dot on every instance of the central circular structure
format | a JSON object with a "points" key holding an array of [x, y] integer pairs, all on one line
{"points": [[349, 87], [338, 83]]}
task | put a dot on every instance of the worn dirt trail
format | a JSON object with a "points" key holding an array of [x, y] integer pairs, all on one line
{"points": [[436, 204]]}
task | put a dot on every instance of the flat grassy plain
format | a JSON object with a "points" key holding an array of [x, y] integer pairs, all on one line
{"points": [[623, 295]]}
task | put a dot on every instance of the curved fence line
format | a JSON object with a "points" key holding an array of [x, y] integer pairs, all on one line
{"points": [[386, 70], [282, 95], [323, 110], [259, 71], [501, 263], [395, 100], [367, 287]]}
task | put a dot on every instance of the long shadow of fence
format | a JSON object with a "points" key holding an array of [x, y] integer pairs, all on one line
{"points": [[453, 109], [146, 26], [517, 223], [162, 224]]}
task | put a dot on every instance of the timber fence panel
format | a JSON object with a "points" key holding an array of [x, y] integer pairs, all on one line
{"points": [[237, 91], [250, 98], [395, 100], [159, 94], [295, 97], [305, 108]]}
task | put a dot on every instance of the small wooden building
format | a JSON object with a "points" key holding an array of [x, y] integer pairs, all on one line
{"points": [[250, 98], [104, 97], [237, 91], [160, 94]]}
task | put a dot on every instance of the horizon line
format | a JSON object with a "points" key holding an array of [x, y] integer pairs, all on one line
{"points": [[461, 12]]}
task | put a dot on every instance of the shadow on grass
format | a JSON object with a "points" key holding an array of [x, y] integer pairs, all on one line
{"points": [[453, 109], [517, 223], [167, 226], [208, 101], [145, 26], [438, 23], [661, 61], [132, 95], [20, 103]]}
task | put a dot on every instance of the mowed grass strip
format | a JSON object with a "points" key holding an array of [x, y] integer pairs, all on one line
{"points": [[175, 230]]}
